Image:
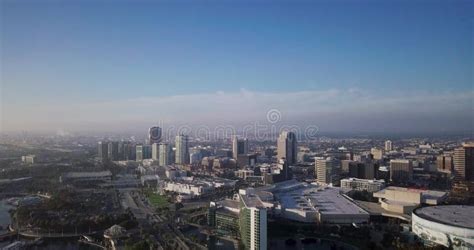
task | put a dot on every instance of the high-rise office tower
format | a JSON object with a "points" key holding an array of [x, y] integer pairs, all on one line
{"points": [[195, 156], [129, 151], [246, 160], [112, 150], [121, 147], [369, 169], [139, 152], [252, 221], [287, 146], [146, 151], [124, 148], [324, 170], [356, 170], [165, 151], [103, 150], [345, 165], [377, 153], [182, 149], [284, 170], [464, 163], [363, 170], [239, 147], [388, 146], [401, 170], [154, 135], [143, 152], [444, 163], [155, 153]]}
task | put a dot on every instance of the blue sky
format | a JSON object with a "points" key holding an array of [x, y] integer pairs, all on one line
{"points": [[107, 54]]}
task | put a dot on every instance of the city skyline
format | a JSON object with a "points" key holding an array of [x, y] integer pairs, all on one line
{"points": [[364, 67], [196, 124]]}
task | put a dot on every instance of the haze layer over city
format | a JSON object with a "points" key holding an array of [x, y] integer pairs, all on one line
{"points": [[236, 124]]}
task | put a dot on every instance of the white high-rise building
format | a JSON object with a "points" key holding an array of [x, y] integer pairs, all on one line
{"points": [[164, 151], [139, 152], [388, 146], [142, 152], [182, 149], [324, 170], [252, 221], [377, 153], [287, 147], [155, 152]]}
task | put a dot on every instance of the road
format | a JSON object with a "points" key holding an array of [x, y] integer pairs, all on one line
{"points": [[148, 210], [32, 234], [134, 200]]}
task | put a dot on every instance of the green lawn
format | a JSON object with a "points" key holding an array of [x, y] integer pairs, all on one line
{"points": [[157, 200]]}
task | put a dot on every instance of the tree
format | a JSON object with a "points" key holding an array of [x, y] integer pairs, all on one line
{"points": [[387, 239]]}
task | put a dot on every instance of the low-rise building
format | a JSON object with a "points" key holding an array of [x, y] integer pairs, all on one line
{"points": [[305, 202], [224, 217], [13, 181], [196, 189], [102, 176], [173, 173], [404, 200], [315, 203], [191, 187], [28, 159], [244, 173], [370, 186], [150, 180]]}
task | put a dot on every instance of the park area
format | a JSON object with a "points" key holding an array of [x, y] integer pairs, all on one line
{"points": [[156, 200]]}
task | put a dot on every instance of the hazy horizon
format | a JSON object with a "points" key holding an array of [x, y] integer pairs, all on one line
{"points": [[343, 66]]}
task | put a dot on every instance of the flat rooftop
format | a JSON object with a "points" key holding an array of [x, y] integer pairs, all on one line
{"points": [[330, 201], [7, 181], [223, 210], [427, 194], [325, 200], [364, 180], [230, 203], [401, 203], [453, 215], [252, 200], [198, 181], [87, 174], [375, 208], [400, 161]]}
